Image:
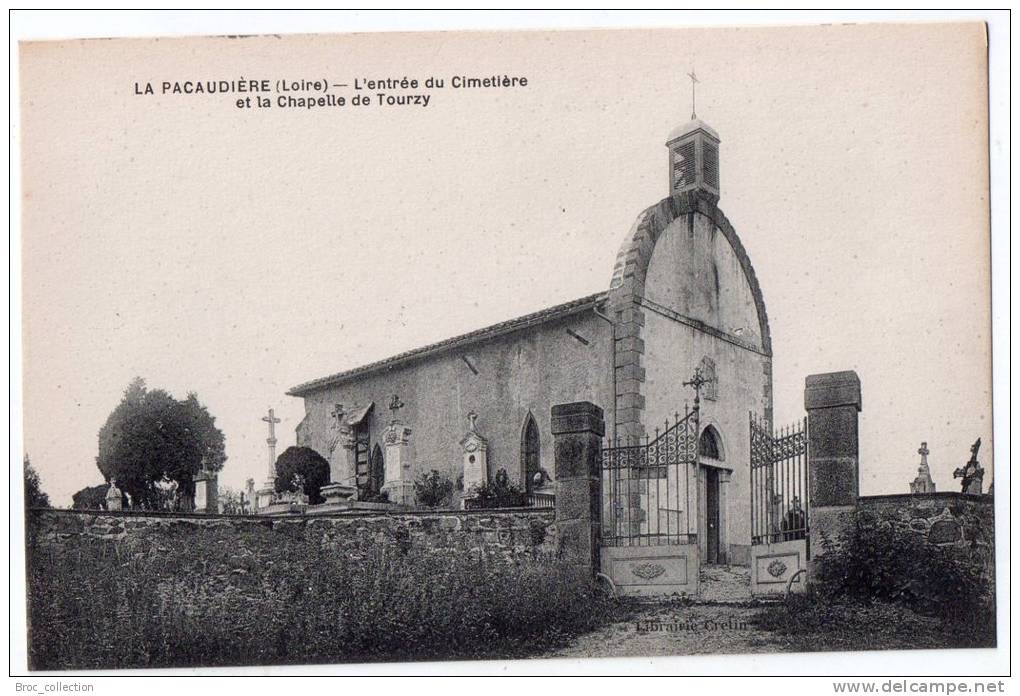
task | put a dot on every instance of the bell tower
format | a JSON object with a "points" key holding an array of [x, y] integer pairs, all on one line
{"points": [[694, 159], [694, 154]]}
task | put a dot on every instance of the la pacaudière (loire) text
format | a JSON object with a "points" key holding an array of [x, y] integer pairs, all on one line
{"points": [[310, 94]]}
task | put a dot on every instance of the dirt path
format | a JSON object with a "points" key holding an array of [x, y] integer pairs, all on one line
{"points": [[665, 630]]}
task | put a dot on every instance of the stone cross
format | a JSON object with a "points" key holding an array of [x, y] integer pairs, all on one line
{"points": [[271, 441], [472, 417], [923, 483]]}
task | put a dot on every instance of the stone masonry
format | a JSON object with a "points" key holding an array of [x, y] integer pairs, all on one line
{"points": [[511, 534]]}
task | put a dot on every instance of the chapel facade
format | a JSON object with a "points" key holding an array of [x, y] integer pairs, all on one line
{"points": [[683, 296]]}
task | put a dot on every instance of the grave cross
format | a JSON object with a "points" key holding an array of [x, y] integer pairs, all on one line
{"points": [[272, 420], [924, 452], [271, 441]]}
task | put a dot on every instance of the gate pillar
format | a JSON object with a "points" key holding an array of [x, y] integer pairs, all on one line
{"points": [[832, 401], [577, 430]]}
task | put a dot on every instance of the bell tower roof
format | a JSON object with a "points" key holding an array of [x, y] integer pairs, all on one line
{"points": [[690, 128]]}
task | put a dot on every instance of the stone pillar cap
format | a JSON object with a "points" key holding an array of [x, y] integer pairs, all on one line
{"points": [[578, 417], [831, 389]]}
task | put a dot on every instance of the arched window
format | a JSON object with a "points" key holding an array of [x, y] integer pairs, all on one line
{"points": [[530, 452], [377, 471], [709, 445]]}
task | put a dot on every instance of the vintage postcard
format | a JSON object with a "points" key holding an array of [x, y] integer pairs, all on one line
{"points": [[352, 348]]}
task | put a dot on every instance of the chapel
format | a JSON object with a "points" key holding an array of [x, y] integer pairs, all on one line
{"points": [[683, 296]]}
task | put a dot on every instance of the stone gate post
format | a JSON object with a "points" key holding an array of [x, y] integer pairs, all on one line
{"points": [[832, 401], [578, 429]]}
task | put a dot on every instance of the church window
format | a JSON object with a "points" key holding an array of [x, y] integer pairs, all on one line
{"points": [[708, 444], [530, 453], [377, 471]]}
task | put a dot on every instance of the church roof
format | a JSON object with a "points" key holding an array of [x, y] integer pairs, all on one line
{"points": [[505, 327]]}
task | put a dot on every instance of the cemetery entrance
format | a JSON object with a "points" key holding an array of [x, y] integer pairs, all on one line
{"points": [[779, 507], [650, 511]]}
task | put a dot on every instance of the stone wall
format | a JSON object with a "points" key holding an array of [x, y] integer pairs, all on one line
{"points": [[512, 534], [963, 523]]}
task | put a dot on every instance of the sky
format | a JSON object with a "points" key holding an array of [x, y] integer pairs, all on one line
{"points": [[239, 252]]}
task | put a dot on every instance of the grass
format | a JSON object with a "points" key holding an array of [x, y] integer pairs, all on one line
{"points": [[812, 622], [208, 598]]}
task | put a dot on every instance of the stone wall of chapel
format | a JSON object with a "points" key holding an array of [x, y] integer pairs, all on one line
{"points": [[528, 370], [695, 284]]}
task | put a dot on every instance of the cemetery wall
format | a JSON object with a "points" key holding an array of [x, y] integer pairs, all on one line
{"points": [[962, 523], [511, 534]]}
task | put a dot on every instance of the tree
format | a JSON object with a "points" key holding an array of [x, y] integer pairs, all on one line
{"points": [[90, 498], [309, 466], [153, 445], [34, 496]]}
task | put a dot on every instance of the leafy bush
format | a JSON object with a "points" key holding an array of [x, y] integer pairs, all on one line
{"points": [[91, 497], [499, 492], [875, 560], [207, 597], [433, 490]]}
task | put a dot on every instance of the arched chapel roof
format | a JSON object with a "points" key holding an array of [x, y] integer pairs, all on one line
{"points": [[636, 251]]}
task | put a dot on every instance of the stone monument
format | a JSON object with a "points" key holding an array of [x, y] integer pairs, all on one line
{"points": [[923, 483], [207, 492], [265, 494], [476, 467], [114, 498], [398, 482], [342, 484]]}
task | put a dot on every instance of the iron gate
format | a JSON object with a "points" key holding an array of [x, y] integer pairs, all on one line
{"points": [[779, 504], [649, 510]]}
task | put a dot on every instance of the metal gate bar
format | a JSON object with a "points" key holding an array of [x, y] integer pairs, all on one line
{"points": [[638, 479], [779, 484]]}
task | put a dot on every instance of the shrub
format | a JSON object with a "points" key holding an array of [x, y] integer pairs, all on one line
{"points": [[91, 497], [873, 559], [207, 597], [499, 492], [433, 490]]}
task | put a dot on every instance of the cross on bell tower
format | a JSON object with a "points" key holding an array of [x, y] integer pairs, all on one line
{"points": [[694, 87]]}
